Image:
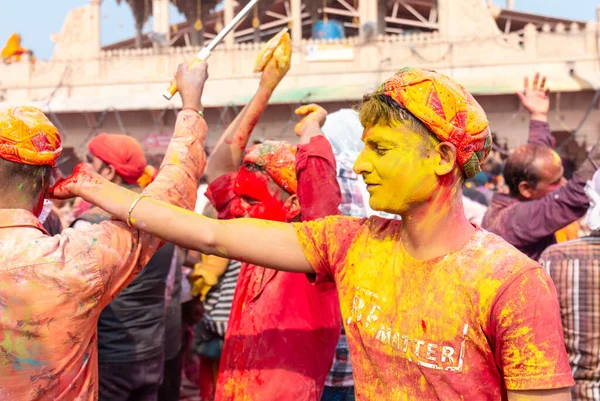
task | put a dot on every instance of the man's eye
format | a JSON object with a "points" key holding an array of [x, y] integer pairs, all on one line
{"points": [[381, 151]]}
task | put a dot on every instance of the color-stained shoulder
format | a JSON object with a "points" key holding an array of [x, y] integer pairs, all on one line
{"points": [[499, 256]]}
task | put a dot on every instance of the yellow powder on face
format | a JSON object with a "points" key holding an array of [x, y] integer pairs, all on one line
{"points": [[394, 160]]}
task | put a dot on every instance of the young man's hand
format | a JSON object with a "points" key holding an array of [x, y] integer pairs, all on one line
{"points": [[190, 83], [278, 65], [536, 99], [311, 124]]}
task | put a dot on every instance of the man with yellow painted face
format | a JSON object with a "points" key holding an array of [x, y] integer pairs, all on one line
{"points": [[434, 308]]}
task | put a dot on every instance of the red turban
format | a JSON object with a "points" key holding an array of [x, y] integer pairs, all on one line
{"points": [[122, 152], [28, 137]]}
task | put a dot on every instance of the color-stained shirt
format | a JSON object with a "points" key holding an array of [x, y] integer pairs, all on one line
{"points": [[575, 269], [52, 289], [530, 225], [283, 330], [465, 326]]}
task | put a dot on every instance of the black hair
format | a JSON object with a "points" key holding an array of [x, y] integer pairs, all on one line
{"points": [[380, 109], [520, 166]]}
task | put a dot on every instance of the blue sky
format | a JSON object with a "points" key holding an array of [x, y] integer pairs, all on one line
{"points": [[117, 22]]}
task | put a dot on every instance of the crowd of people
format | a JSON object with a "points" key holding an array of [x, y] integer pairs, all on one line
{"points": [[393, 253]]}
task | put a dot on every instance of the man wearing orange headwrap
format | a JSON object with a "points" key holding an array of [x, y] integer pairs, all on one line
{"points": [[434, 308], [52, 289]]}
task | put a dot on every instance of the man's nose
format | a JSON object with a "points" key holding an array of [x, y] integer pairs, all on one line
{"points": [[362, 164]]}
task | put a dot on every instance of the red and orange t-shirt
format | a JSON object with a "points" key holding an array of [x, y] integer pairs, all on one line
{"points": [[466, 326]]}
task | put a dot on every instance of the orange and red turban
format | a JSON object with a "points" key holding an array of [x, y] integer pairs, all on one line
{"points": [[122, 152], [278, 160], [28, 137], [447, 109]]}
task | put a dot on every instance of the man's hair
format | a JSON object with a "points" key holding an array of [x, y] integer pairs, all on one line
{"points": [[520, 166], [25, 179], [379, 109]]}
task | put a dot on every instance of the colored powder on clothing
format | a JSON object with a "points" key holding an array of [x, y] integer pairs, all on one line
{"points": [[483, 313]]}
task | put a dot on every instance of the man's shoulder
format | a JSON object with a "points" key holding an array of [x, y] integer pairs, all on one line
{"points": [[499, 257], [351, 226]]}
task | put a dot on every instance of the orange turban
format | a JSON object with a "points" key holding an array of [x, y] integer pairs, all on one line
{"points": [[447, 109], [122, 152], [28, 137], [278, 159]]}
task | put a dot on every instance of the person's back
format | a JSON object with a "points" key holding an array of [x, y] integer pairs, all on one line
{"points": [[46, 305]]}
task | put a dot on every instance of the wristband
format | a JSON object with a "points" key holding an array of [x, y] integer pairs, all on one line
{"points": [[133, 205], [200, 112]]}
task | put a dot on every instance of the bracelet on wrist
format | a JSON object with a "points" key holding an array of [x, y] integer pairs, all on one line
{"points": [[200, 112]]}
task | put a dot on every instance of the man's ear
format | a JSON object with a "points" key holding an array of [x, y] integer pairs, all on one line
{"points": [[109, 172], [525, 190], [292, 207], [447, 153]]}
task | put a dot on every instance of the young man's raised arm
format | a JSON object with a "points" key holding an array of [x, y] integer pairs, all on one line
{"points": [[263, 243], [227, 155]]}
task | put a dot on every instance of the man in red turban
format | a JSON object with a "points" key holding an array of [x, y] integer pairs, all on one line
{"points": [[52, 289], [119, 158]]}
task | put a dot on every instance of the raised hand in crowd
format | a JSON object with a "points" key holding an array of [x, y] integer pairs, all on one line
{"points": [[536, 99], [310, 125], [274, 62]]}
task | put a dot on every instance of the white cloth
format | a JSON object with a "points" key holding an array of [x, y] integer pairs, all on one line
{"points": [[344, 131], [592, 190], [474, 210], [45, 211], [202, 200]]}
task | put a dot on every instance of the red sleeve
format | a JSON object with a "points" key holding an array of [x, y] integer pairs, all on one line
{"points": [[527, 334], [318, 190], [220, 194]]}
